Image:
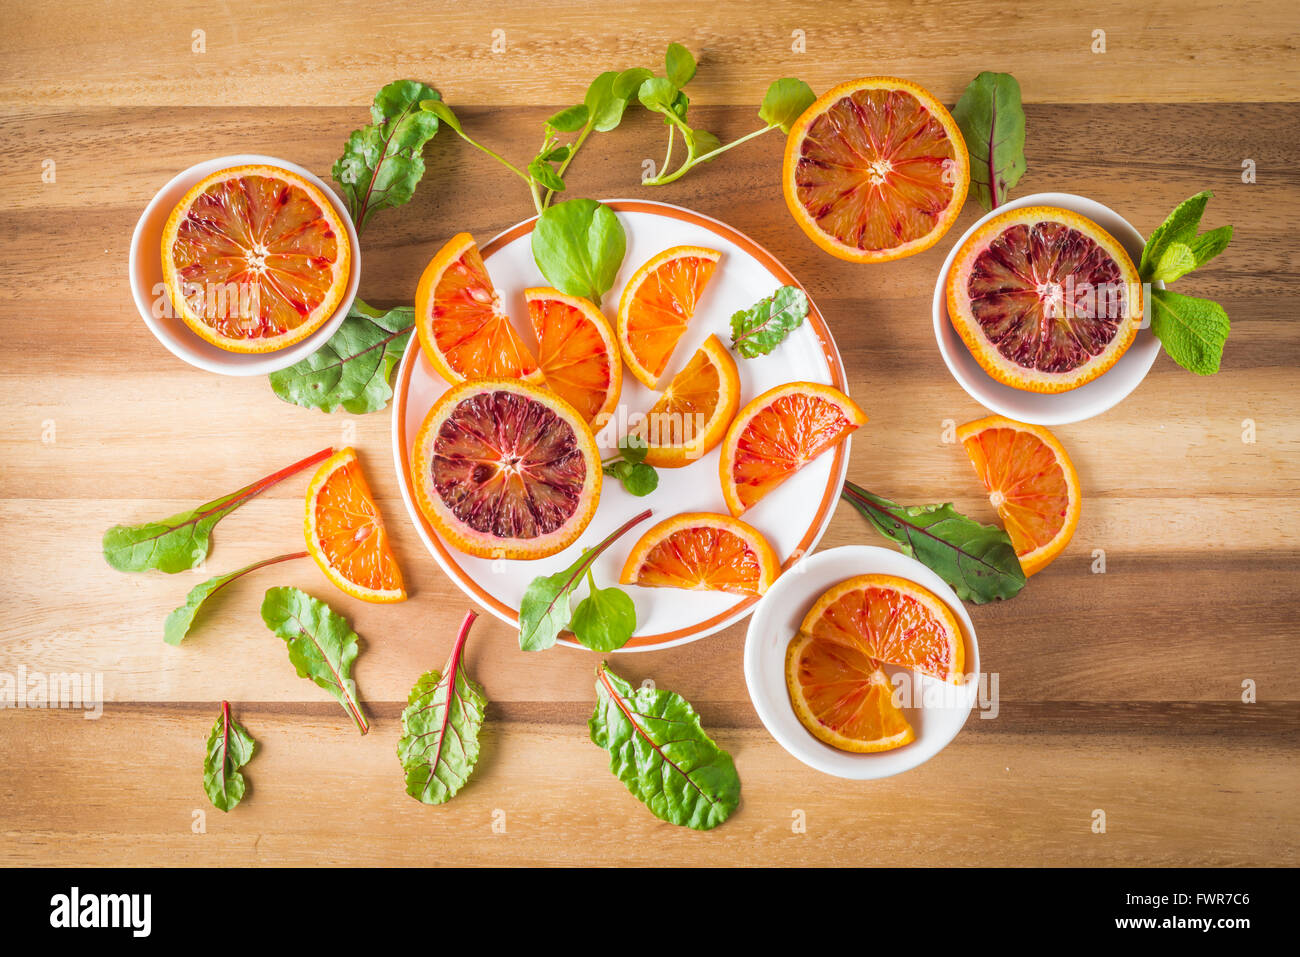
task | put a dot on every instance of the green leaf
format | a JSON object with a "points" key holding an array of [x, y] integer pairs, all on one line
{"points": [[992, 122], [628, 83], [1193, 331], [351, 371], [634, 448], [978, 561], [322, 646], [786, 100], [762, 327], [443, 112], [608, 96], [658, 749], [657, 94], [182, 542], [637, 478], [679, 65], [570, 119], [544, 173], [230, 747], [579, 245], [440, 728], [181, 619], [1175, 249], [701, 143], [605, 619], [382, 163]]}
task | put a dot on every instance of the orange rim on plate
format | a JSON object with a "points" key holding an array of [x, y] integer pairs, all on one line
{"points": [[825, 508]]}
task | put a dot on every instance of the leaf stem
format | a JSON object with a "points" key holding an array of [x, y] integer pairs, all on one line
{"points": [[692, 161], [495, 155], [573, 151]]}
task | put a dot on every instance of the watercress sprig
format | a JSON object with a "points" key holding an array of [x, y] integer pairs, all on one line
{"points": [[628, 466]]}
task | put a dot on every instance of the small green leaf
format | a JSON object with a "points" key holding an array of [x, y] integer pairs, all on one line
{"points": [[605, 619], [627, 83], [607, 97], [701, 143], [1175, 249], [786, 100], [633, 448], [762, 327], [1193, 331], [657, 94], [556, 155], [637, 478], [569, 120], [443, 112], [544, 173], [229, 748], [992, 121], [679, 65], [181, 619], [579, 246]]}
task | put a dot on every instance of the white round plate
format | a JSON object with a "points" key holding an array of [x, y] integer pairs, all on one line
{"points": [[1092, 398], [149, 290], [941, 709], [793, 517]]}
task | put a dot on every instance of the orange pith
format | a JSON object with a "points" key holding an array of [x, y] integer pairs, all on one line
{"points": [[576, 352], [463, 327], [892, 620], [506, 469], [692, 415], [345, 532], [704, 552], [657, 303], [255, 258], [1031, 482], [843, 697], [779, 433], [876, 169]]}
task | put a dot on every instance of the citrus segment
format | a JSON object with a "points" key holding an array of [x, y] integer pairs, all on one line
{"points": [[1044, 298], [876, 169], [1031, 482], [255, 258], [656, 305], [779, 433], [576, 352], [345, 532], [843, 697], [690, 418], [703, 552], [505, 469], [463, 327]]}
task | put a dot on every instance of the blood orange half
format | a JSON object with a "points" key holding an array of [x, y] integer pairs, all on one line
{"points": [[505, 469], [876, 169], [1044, 298]]}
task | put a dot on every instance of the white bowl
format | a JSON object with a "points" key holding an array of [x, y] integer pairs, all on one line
{"points": [[776, 620], [1093, 398], [147, 279]]}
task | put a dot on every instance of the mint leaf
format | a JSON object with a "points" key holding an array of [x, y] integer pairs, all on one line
{"points": [[230, 747], [992, 121], [1175, 249], [1193, 331], [351, 371], [181, 619], [762, 327], [579, 245], [786, 100]]}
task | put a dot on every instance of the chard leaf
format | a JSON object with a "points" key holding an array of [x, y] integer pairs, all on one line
{"points": [[1193, 331], [679, 65], [992, 122], [182, 542], [658, 749], [440, 728], [785, 101], [382, 163], [1175, 249], [230, 747], [605, 619], [579, 245], [322, 646], [351, 371], [762, 327], [978, 561], [181, 619]]}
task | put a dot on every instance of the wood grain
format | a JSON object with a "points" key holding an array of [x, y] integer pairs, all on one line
{"points": [[1118, 691]]}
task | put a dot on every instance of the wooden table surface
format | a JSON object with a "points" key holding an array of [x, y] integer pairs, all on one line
{"points": [[1119, 691]]}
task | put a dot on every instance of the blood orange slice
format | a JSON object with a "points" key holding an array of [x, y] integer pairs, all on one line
{"points": [[505, 469], [346, 535], [843, 697], [255, 258], [779, 433], [875, 170], [692, 415], [703, 552], [463, 327], [577, 352], [657, 303], [1031, 482], [1044, 298], [893, 620]]}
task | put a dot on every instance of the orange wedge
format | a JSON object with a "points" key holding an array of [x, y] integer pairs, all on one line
{"points": [[255, 258], [463, 327], [779, 433], [692, 415], [345, 532], [577, 352], [657, 303], [703, 552], [892, 620], [843, 697], [1030, 481]]}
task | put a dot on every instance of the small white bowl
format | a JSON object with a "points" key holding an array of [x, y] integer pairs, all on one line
{"points": [[148, 289], [1093, 398], [776, 620]]}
